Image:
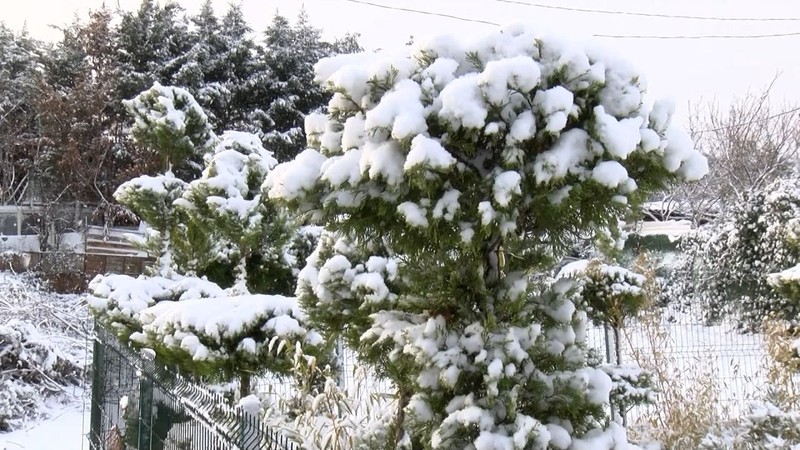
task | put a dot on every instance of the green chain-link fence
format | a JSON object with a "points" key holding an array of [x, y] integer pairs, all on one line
{"points": [[138, 404]]}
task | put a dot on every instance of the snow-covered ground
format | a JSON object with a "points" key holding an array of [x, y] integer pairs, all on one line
{"points": [[43, 356], [66, 428], [737, 362]]}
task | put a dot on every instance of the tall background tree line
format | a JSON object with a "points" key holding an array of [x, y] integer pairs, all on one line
{"points": [[64, 133]]}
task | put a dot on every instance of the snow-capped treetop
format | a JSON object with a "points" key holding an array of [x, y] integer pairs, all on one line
{"points": [[446, 175], [151, 197], [230, 183], [227, 204], [486, 129], [169, 120]]}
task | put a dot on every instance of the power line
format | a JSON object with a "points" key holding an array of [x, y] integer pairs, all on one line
{"points": [[700, 36], [663, 16], [449, 16], [608, 36]]}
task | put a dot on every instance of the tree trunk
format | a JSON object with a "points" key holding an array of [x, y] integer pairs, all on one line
{"points": [[400, 417], [244, 385]]}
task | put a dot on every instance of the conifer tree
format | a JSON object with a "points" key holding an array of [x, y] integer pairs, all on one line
{"points": [[249, 235], [787, 282], [447, 177], [206, 330], [20, 69], [284, 90]]}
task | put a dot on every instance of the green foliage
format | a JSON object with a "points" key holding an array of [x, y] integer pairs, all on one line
{"points": [[169, 120], [787, 282], [610, 294], [448, 179], [730, 259]]}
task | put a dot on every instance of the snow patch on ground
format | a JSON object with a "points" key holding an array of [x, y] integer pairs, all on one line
{"points": [[67, 428]]}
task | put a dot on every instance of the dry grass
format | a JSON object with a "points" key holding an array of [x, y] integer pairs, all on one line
{"points": [[784, 365], [688, 406], [685, 407]]}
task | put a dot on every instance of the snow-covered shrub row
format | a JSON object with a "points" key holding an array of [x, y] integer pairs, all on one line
{"points": [[729, 261], [766, 426], [447, 174]]}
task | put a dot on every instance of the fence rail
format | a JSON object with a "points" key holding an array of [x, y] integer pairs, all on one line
{"points": [[139, 404]]}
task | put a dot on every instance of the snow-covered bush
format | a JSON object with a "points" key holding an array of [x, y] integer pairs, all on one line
{"points": [[787, 282], [152, 198], [730, 259], [217, 240], [448, 174], [764, 427], [169, 120], [610, 294]]}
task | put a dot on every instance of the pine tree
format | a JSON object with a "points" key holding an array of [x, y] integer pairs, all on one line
{"points": [[447, 178], [20, 70], [249, 236], [728, 260], [283, 90], [169, 120], [219, 65], [218, 217], [151, 44]]}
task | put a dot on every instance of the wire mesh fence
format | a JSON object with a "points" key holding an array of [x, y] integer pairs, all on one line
{"points": [[688, 360], [138, 404], [716, 363]]}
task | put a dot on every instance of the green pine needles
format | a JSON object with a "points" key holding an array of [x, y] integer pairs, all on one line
{"points": [[448, 176]]}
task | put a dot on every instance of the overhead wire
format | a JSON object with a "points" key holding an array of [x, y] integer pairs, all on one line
{"points": [[656, 15], [699, 36], [608, 36], [486, 22], [449, 16]]}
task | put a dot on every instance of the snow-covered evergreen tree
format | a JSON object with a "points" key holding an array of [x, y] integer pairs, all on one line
{"points": [[151, 45], [219, 65], [248, 235], [192, 322], [731, 258], [447, 175], [170, 121], [787, 282], [284, 90], [20, 70]]}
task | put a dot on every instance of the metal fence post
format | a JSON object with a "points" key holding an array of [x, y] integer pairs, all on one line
{"points": [[608, 337], [98, 395], [340, 361], [145, 413]]}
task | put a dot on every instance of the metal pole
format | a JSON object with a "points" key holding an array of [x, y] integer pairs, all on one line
{"points": [[98, 396]]}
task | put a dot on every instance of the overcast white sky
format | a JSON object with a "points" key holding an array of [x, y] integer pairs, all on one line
{"points": [[684, 70]]}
